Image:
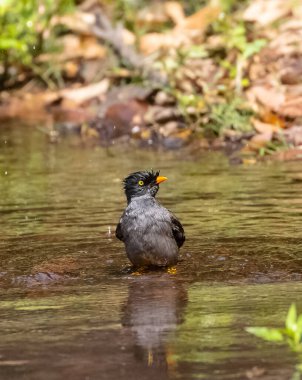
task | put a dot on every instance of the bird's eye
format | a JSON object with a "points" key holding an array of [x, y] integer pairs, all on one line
{"points": [[141, 183]]}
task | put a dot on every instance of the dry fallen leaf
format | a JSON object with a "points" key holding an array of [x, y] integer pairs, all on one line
{"points": [[82, 94], [292, 107], [260, 140], [128, 37], [264, 127], [275, 120], [79, 22], [201, 19], [189, 30], [73, 47], [151, 42], [294, 154], [152, 16], [71, 69], [269, 97], [27, 106], [264, 12], [294, 135], [175, 11]]}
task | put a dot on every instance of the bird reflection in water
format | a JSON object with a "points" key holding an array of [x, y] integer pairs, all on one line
{"points": [[155, 307]]}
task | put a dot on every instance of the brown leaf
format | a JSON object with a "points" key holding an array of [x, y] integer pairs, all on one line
{"points": [[294, 135], [294, 154], [71, 69], [287, 43], [28, 107], [151, 42], [269, 97], [184, 33], [292, 108], [264, 12], [74, 47], [82, 94], [160, 114], [275, 120], [201, 19], [128, 37], [79, 22], [175, 11], [170, 128], [260, 140], [152, 16], [90, 48], [264, 127], [66, 110]]}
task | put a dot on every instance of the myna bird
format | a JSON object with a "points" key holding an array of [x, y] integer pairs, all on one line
{"points": [[151, 233]]}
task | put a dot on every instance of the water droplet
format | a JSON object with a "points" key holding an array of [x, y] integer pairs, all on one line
{"points": [[135, 129]]}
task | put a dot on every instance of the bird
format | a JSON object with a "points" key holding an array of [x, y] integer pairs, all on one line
{"points": [[152, 234]]}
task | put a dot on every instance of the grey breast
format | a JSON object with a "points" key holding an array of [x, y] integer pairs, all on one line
{"points": [[147, 231]]}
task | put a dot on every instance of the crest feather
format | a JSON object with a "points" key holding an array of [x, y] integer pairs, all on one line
{"points": [[147, 176]]}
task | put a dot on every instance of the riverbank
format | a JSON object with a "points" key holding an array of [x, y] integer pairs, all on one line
{"points": [[218, 77]]}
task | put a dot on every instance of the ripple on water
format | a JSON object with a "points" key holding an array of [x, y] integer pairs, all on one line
{"points": [[71, 305]]}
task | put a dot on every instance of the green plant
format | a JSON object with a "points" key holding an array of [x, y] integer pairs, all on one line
{"points": [[235, 37], [26, 32], [231, 115], [192, 6], [277, 145], [290, 334]]}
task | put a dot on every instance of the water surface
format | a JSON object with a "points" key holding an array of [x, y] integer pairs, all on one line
{"points": [[71, 309]]}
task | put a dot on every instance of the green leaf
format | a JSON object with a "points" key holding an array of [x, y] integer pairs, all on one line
{"points": [[10, 43], [299, 322], [196, 51], [291, 319], [253, 48], [272, 335]]}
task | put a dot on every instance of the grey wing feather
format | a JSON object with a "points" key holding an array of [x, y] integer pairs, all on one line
{"points": [[178, 231], [118, 232]]}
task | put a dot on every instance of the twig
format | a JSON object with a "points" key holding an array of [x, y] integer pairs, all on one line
{"points": [[104, 30], [238, 78]]}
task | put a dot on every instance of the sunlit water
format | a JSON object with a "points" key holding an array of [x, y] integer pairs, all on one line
{"points": [[69, 307]]}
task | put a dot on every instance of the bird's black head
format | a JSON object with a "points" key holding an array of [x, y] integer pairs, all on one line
{"points": [[142, 183]]}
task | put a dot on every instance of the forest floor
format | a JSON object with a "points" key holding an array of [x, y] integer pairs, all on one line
{"points": [[225, 76]]}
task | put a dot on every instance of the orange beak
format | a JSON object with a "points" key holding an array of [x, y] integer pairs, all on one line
{"points": [[160, 179]]}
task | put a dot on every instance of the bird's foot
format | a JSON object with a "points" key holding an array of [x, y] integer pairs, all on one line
{"points": [[139, 271], [172, 270]]}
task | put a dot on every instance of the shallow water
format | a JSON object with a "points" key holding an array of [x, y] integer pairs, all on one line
{"points": [[71, 309]]}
